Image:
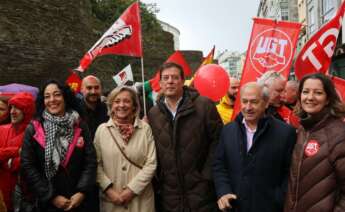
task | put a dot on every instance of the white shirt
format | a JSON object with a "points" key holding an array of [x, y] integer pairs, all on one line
{"points": [[173, 112], [250, 134]]}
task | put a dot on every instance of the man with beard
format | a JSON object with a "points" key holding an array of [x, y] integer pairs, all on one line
{"points": [[95, 110], [96, 113], [226, 104]]}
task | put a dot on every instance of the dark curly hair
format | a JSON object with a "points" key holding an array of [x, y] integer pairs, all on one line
{"points": [[71, 101], [335, 105]]}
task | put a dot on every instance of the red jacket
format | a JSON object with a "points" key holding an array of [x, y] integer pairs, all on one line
{"points": [[11, 140]]}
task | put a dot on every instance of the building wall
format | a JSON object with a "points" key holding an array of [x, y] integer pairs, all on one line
{"points": [[232, 62], [278, 9], [174, 31]]}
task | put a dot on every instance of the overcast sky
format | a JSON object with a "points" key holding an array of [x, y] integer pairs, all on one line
{"points": [[204, 23]]}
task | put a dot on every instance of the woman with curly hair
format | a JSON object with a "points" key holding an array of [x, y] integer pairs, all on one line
{"points": [[58, 158]]}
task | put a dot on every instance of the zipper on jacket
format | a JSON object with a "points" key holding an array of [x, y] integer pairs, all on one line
{"points": [[299, 168]]}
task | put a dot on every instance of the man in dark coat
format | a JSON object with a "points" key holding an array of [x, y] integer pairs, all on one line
{"points": [[186, 128], [96, 113], [252, 159]]}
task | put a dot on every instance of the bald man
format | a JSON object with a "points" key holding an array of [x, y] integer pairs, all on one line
{"points": [[96, 113], [252, 159], [96, 110]]}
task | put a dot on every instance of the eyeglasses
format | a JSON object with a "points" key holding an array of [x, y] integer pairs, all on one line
{"points": [[166, 78]]}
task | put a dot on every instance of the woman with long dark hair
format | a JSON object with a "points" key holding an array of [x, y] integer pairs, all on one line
{"points": [[58, 158], [317, 174]]}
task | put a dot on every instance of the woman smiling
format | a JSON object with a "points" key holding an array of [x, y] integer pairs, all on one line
{"points": [[126, 156], [58, 158], [317, 173]]}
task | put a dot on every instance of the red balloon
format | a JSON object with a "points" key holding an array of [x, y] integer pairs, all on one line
{"points": [[212, 81]]}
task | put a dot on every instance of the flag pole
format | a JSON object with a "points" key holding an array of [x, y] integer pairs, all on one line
{"points": [[143, 81], [142, 68]]}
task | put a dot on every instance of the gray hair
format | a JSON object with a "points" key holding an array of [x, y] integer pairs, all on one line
{"points": [[262, 88], [268, 78], [116, 91]]}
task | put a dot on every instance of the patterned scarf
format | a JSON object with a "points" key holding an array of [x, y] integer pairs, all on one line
{"points": [[59, 134], [126, 131]]}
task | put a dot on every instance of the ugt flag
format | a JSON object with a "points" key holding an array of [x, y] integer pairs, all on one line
{"points": [[271, 48], [122, 38], [316, 54]]}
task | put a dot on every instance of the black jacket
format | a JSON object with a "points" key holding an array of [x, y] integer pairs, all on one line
{"points": [[94, 118], [79, 175], [258, 177]]}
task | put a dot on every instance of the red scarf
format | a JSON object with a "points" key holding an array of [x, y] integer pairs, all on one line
{"points": [[126, 131]]}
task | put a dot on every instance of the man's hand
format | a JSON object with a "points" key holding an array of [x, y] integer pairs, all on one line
{"points": [[75, 201], [127, 195], [114, 196], [61, 202], [225, 200]]}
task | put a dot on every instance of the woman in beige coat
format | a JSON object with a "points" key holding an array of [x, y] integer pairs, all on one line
{"points": [[126, 156]]}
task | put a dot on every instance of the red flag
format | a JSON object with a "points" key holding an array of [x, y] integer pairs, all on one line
{"points": [[74, 82], [271, 48], [122, 38], [316, 54], [209, 58], [178, 58], [339, 84]]}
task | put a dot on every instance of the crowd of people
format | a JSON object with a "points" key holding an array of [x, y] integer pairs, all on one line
{"points": [[283, 151]]}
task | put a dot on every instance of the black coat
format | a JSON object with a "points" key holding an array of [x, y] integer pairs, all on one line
{"points": [[259, 177], [78, 176], [96, 117], [184, 148]]}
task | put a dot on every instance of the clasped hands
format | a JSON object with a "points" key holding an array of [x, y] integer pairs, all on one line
{"points": [[120, 197], [68, 204]]}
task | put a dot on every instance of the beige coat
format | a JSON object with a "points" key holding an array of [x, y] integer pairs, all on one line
{"points": [[113, 168]]}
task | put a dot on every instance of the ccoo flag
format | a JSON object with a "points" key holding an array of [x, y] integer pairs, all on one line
{"points": [[122, 38]]}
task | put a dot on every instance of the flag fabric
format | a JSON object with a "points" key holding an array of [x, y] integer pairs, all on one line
{"points": [[339, 84], [177, 58], [122, 38], [271, 48], [74, 82], [124, 76], [209, 58], [316, 54]]}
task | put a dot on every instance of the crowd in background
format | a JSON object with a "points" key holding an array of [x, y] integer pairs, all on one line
{"points": [[283, 151]]}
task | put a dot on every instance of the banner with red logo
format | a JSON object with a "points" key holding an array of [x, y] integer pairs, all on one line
{"points": [[122, 38], [316, 54], [271, 47], [124, 76]]}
